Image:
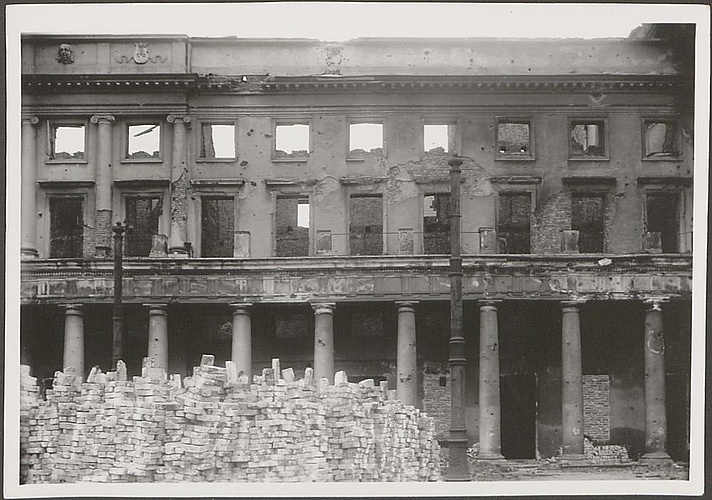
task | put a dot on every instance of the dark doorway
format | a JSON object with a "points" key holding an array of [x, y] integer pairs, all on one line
{"points": [[518, 420]]}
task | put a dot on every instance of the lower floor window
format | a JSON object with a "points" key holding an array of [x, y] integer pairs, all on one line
{"points": [[663, 217], [217, 227], [513, 222], [66, 227], [587, 217], [142, 218]]}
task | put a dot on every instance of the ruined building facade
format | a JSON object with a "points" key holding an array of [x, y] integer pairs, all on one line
{"points": [[290, 199]]}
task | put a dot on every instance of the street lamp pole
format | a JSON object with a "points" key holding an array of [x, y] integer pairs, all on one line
{"points": [[457, 467], [118, 317]]}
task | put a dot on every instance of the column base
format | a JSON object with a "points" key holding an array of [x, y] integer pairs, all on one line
{"points": [[103, 252], [28, 253], [178, 253], [575, 459], [655, 458], [490, 457]]}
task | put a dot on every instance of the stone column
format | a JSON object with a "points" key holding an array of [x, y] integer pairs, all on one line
{"points": [[180, 188], [407, 362], [74, 338], [158, 335], [655, 415], [572, 382], [104, 178], [242, 338], [490, 410], [324, 341], [28, 163]]}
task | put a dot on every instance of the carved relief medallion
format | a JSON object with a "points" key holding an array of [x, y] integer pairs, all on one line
{"points": [[65, 54]]}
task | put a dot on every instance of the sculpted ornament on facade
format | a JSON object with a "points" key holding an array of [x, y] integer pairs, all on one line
{"points": [[140, 55], [65, 54]]}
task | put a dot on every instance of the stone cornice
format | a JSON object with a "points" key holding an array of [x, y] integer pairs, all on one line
{"points": [[108, 83]]}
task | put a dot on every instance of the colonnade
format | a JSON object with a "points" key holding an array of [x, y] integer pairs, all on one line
{"points": [[407, 376]]}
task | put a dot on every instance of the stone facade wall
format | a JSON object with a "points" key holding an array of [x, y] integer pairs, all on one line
{"points": [[436, 397], [597, 407], [220, 428]]}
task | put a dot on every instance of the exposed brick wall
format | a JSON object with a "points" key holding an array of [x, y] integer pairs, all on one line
{"points": [[553, 216], [436, 397], [219, 428], [597, 407]]}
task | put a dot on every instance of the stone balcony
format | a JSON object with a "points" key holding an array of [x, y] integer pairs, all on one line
{"points": [[350, 279]]}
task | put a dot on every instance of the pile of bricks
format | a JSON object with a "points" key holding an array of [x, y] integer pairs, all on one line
{"points": [[217, 426], [605, 453]]}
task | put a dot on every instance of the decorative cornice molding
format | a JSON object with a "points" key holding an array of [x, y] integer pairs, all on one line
{"points": [[665, 179], [141, 183], [65, 184], [199, 183], [588, 180], [276, 183]]}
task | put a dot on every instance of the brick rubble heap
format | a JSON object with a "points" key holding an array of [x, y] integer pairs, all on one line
{"points": [[218, 427]]}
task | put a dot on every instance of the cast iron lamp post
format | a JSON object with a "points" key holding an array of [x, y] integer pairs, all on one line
{"points": [[118, 317]]}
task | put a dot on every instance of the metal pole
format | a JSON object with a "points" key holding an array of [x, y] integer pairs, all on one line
{"points": [[118, 317], [457, 467]]}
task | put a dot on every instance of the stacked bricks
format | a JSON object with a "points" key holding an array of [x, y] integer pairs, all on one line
{"points": [[220, 427], [605, 454], [596, 407]]}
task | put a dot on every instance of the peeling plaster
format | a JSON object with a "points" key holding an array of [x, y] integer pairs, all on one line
{"points": [[324, 186]]}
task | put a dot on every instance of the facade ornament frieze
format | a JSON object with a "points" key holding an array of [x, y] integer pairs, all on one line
{"points": [[140, 56]]}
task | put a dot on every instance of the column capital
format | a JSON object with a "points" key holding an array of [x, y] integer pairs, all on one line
{"points": [[73, 309], [30, 120], [323, 307], [572, 303], [406, 304], [103, 119], [240, 307], [490, 304], [178, 118], [655, 303], [157, 308]]}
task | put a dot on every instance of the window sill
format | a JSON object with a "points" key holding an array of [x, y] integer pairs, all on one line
{"points": [[662, 158], [215, 160], [141, 160], [589, 158], [514, 158], [300, 159], [66, 162]]}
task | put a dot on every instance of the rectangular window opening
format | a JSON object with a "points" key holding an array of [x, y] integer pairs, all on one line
{"points": [[365, 139], [67, 142], [587, 139], [217, 237], [292, 226], [436, 223], [217, 141], [143, 214], [437, 138], [513, 139], [587, 217], [513, 222], [291, 141], [66, 227], [144, 141], [661, 139], [366, 225], [662, 216]]}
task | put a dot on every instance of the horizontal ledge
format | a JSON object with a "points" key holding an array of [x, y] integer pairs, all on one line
{"points": [[589, 179], [217, 182], [665, 179], [139, 183], [64, 184], [289, 182], [516, 179]]}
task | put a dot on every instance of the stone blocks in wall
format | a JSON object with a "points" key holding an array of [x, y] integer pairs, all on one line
{"points": [[488, 240], [219, 428], [436, 396], [569, 241], [597, 407]]}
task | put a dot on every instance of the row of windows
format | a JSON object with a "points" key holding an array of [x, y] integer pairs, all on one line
{"points": [[588, 139], [366, 235]]}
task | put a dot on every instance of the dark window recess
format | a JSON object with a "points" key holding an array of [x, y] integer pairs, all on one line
{"points": [[367, 324], [292, 234], [366, 225], [662, 217], [513, 222], [513, 139], [587, 216], [587, 139], [436, 223], [292, 326], [661, 139], [142, 215], [217, 219], [66, 227]]}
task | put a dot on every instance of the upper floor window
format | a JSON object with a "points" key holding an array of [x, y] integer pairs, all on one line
{"points": [[143, 215], [513, 217], [217, 228], [365, 139], [144, 141], [66, 226], [661, 139], [436, 223], [587, 139], [66, 142], [217, 141], [291, 141], [292, 226], [587, 217], [514, 140], [366, 225], [438, 138]]}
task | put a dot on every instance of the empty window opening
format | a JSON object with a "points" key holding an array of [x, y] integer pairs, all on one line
{"points": [[513, 222], [587, 139], [144, 141], [292, 226], [66, 227], [662, 211], [437, 138], [513, 139], [365, 139], [66, 142], [292, 141], [587, 217], [661, 139], [218, 141], [436, 223], [217, 236], [366, 225], [142, 220]]}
